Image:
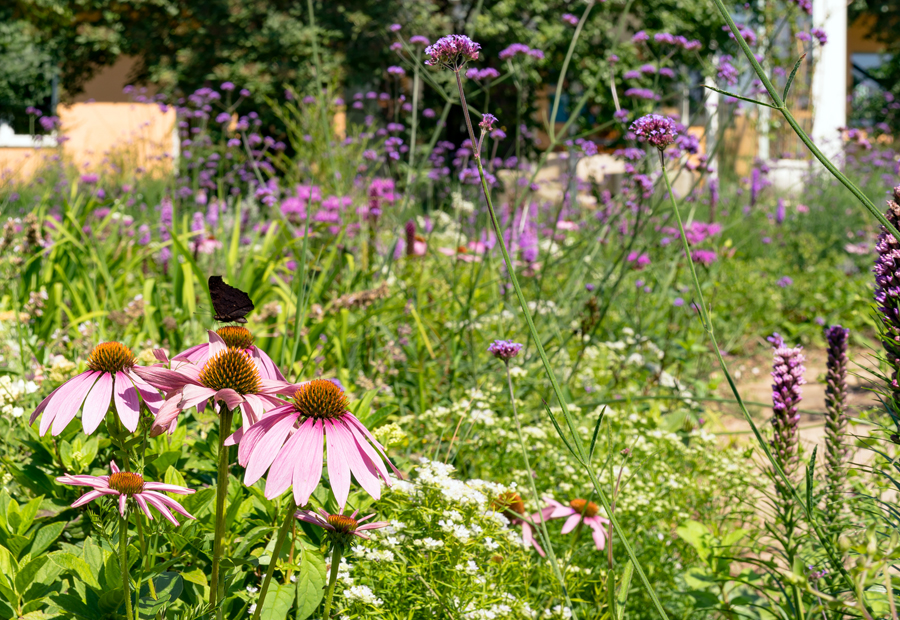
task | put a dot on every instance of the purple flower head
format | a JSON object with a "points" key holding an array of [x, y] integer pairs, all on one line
{"points": [[419, 40], [622, 115], [487, 122], [504, 350], [512, 50], [784, 282], [640, 36], [660, 131], [634, 74], [452, 52], [787, 375], [819, 34], [703, 257], [395, 27], [570, 19], [642, 93], [398, 71], [887, 291], [227, 86], [89, 179]]}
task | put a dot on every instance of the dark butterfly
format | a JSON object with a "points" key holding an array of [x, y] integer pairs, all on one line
{"points": [[231, 304]]}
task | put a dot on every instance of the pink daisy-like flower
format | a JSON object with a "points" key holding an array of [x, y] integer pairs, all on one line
{"points": [[229, 374], [288, 443], [341, 525], [511, 506], [240, 338], [578, 510], [126, 485], [111, 377]]}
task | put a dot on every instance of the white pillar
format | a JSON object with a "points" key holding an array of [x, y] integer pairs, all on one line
{"points": [[829, 86], [712, 127]]}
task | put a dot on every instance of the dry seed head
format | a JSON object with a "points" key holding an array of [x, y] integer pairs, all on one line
{"points": [[585, 508], [236, 336], [231, 368], [126, 483], [320, 399], [509, 500], [111, 357]]}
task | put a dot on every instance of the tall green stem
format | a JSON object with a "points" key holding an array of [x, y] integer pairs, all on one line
{"points": [[578, 450], [827, 544], [332, 578], [279, 541], [123, 561], [216, 585], [545, 536]]}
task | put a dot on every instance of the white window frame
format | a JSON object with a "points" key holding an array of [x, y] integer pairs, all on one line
{"points": [[10, 139]]}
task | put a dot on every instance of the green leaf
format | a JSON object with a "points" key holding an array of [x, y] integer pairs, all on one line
{"points": [[168, 588], [78, 566], [278, 603], [310, 583], [810, 472], [74, 606], [45, 537], [28, 513], [173, 476], [28, 572], [596, 431], [787, 86], [197, 576], [622, 593], [110, 600], [696, 535]]}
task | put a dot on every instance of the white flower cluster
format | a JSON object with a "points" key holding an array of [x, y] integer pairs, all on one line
{"points": [[11, 392], [362, 594]]}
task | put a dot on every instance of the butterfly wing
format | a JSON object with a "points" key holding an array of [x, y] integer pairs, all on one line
{"points": [[230, 304]]}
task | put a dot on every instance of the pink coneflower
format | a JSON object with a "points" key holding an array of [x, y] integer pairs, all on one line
{"points": [[578, 510], [240, 338], [288, 442], [341, 525], [125, 485], [229, 374], [511, 506], [111, 377]]}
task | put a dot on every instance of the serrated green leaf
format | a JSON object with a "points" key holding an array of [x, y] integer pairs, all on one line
{"points": [[310, 583], [278, 603]]}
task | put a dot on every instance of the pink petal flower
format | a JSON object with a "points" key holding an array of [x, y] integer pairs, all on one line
{"points": [[571, 523], [348, 446], [338, 466], [266, 449], [95, 406], [68, 401], [163, 378], [128, 405], [279, 478], [307, 470]]}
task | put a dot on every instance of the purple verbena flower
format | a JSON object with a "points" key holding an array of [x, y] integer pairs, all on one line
{"points": [[452, 52], [660, 131], [487, 122], [504, 350]]}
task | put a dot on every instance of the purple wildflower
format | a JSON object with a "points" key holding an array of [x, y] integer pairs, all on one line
{"points": [[395, 70], [819, 34], [419, 40], [512, 50], [704, 257], [640, 36], [642, 93], [835, 421], [504, 350], [887, 291], [452, 52], [487, 122], [787, 373], [570, 19], [660, 131], [784, 282]]}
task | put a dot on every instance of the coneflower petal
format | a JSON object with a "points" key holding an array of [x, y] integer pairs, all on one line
{"points": [[142, 503], [279, 478], [247, 439], [232, 399], [272, 371], [372, 457], [168, 501], [122, 499], [42, 406], [216, 344], [154, 501], [267, 450], [571, 523], [193, 395], [167, 414], [163, 378], [362, 429], [308, 467], [90, 496], [366, 478], [127, 402], [338, 465], [167, 488], [95, 406], [599, 535], [72, 391]]}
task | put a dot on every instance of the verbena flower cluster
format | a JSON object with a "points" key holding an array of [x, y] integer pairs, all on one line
{"points": [[659, 131], [452, 52]]}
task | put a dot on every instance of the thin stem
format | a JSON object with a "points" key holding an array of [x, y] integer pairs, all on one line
{"points": [[581, 454], [279, 541], [545, 536], [707, 326], [551, 125], [415, 118], [217, 589], [123, 561], [332, 579]]}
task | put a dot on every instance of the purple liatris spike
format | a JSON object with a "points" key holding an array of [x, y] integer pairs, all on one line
{"points": [[410, 230], [660, 131], [504, 349], [887, 292], [452, 52], [835, 420], [787, 375]]}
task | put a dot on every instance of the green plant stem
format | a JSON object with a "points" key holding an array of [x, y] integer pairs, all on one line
{"points": [[782, 108], [123, 561], [216, 589], [279, 541], [707, 326], [144, 564], [581, 454], [332, 579], [545, 536], [551, 124]]}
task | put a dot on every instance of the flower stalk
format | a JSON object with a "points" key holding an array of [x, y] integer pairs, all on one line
{"points": [[276, 551], [332, 577], [835, 423], [217, 584], [123, 562]]}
